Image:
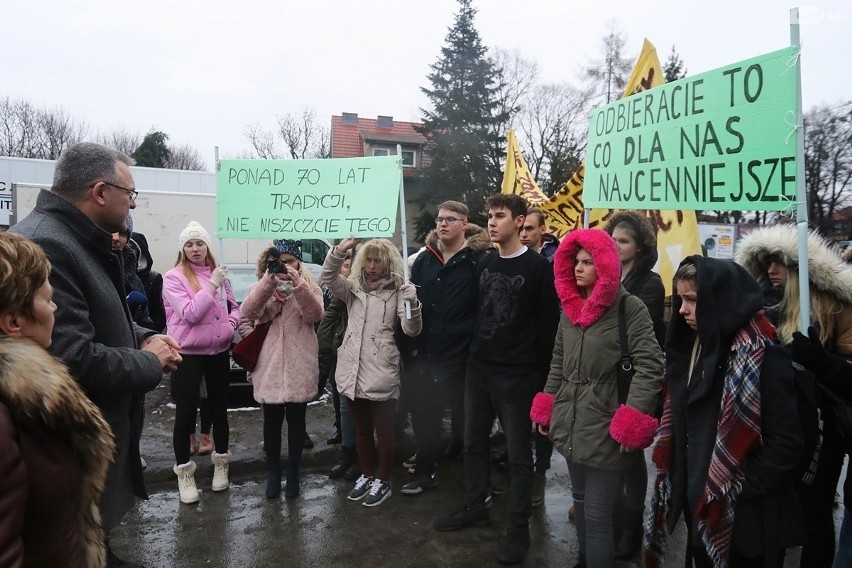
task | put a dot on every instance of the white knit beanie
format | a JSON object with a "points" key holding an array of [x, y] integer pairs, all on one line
{"points": [[194, 231]]}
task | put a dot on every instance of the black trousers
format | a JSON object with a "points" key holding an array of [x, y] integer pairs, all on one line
{"points": [[428, 400], [186, 380]]}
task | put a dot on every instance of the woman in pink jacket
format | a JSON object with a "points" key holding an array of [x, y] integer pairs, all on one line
{"points": [[287, 373], [204, 328]]}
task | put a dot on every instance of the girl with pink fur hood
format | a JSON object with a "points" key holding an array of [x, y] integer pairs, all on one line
{"points": [[579, 408]]}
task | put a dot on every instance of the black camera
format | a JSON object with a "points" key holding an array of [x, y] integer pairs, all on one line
{"points": [[275, 266]]}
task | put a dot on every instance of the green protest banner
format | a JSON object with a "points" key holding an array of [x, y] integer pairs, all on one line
{"points": [[722, 140], [307, 198]]}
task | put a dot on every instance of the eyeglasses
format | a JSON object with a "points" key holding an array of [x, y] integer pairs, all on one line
{"points": [[447, 220], [131, 192]]}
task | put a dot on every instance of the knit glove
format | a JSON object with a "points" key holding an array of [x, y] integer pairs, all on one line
{"points": [[808, 351], [408, 292], [542, 408], [217, 277]]}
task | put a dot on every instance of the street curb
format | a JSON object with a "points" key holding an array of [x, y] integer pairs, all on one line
{"points": [[245, 440]]}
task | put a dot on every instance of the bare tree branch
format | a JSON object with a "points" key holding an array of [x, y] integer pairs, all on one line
{"points": [[185, 158]]}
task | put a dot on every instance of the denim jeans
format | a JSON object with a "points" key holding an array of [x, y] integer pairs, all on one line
{"points": [[594, 491], [508, 396]]}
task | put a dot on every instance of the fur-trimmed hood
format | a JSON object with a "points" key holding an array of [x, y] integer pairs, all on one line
{"points": [[646, 236], [826, 271], [476, 238], [37, 387], [585, 312]]}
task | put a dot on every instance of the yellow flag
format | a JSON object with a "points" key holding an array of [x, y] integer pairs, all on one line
{"points": [[678, 230]]}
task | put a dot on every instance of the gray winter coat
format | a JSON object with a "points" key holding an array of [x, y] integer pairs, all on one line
{"points": [[95, 335]]}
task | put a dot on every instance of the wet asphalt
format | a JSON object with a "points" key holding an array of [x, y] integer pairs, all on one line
{"points": [[240, 528]]}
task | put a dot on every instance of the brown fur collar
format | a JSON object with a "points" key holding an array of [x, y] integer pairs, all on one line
{"points": [[476, 238], [33, 384]]}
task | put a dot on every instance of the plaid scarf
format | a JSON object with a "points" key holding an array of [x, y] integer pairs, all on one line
{"points": [[737, 434]]}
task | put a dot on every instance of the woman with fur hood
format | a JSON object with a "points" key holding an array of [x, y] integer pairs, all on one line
{"points": [[771, 255], [56, 445], [287, 372], [580, 408], [368, 360]]}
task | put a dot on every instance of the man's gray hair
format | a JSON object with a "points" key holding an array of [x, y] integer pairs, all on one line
{"points": [[84, 164]]}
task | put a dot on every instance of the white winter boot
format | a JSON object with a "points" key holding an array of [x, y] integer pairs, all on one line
{"points": [[186, 482], [220, 470]]}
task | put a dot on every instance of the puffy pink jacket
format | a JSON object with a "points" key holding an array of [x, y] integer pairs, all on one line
{"points": [[197, 320]]}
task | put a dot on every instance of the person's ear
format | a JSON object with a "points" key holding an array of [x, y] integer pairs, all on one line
{"points": [[99, 192], [11, 324]]}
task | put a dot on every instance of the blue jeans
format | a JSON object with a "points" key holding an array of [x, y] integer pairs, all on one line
{"points": [[594, 491], [844, 550], [508, 396]]}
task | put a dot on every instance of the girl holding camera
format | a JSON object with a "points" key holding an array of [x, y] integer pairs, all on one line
{"points": [[287, 372]]}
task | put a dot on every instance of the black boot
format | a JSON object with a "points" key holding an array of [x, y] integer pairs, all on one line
{"points": [[336, 438], [291, 488], [273, 478], [631, 535], [347, 457], [272, 448], [354, 471]]}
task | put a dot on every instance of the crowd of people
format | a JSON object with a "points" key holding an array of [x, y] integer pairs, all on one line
{"points": [[563, 343]]}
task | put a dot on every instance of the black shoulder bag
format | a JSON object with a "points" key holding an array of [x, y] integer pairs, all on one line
{"points": [[624, 368]]}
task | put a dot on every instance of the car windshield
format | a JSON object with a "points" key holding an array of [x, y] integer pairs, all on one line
{"points": [[242, 278]]}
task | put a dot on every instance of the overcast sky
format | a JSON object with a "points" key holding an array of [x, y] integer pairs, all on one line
{"points": [[202, 70]]}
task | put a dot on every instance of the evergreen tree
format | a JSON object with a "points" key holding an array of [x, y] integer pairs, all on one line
{"points": [[153, 152], [674, 68], [465, 129]]}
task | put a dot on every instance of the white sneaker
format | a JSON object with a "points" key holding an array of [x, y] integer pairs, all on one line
{"points": [[220, 470], [186, 482]]}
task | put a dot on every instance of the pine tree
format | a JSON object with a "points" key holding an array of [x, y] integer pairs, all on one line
{"points": [[674, 68], [153, 152], [465, 128]]}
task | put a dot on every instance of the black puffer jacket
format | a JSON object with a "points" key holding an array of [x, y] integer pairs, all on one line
{"points": [[448, 292]]}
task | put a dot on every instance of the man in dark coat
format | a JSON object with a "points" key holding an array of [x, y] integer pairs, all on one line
{"points": [[446, 281], [115, 360], [730, 435]]}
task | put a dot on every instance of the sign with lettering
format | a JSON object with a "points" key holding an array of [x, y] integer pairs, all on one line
{"points": [[307, 198], [722, 140]]}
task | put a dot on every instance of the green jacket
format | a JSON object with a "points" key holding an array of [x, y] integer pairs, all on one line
{"points": [[583, 379]]}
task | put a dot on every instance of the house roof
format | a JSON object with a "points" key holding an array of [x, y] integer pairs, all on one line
{"points": [[347, 140]]}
